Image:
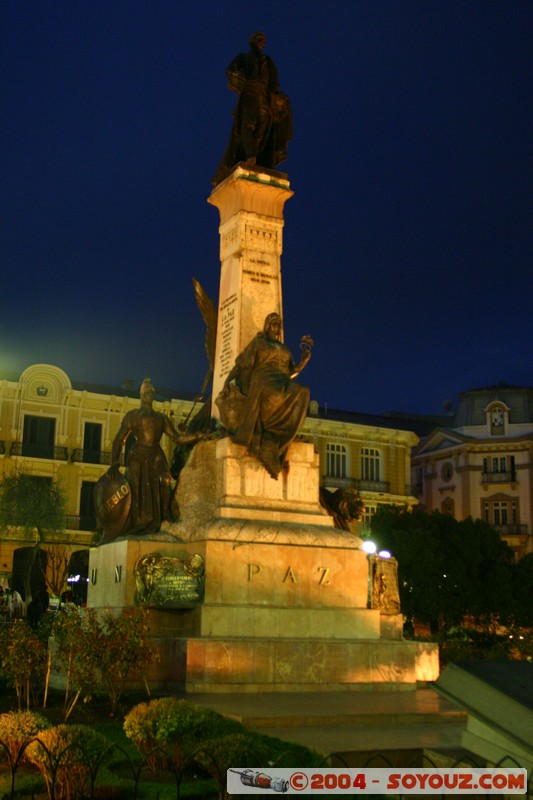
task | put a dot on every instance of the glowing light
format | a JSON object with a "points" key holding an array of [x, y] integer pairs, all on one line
{"points": [[384, 554], [369, 547], [73, 578]]}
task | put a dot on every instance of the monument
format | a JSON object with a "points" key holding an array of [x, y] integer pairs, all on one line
{"points": [[262, 120], [258, 586]]}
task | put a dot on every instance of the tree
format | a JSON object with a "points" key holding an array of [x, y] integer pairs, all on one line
{"points": [[101, 651], [447, 569], [35, 506], [523, 592], [57, 567]]}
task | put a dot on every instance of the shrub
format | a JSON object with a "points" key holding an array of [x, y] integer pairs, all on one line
{"points": [[17, 730], [467, 644], [167, 731], [101, 651], [244, 749], [69, 756], [74, 653], [121, 650], [24, 659], [250, 749]]}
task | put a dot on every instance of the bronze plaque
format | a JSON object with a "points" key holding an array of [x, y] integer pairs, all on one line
{"points": [[168, 582]]}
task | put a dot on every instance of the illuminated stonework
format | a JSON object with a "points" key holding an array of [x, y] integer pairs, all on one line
{"points": [[251, 226]]}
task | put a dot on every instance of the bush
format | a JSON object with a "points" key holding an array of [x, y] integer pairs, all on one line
{"points": [[69, 756], [101, 651], [122, 651], [244, 749], [168, 730], [24, 659], [468, 644], [17, 730]]}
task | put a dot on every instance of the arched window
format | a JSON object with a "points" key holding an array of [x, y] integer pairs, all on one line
{"points": [[497, 414], [448, 506]]}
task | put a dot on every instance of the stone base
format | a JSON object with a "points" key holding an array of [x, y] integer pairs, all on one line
{"points": [[285, 594], [275, 665], [221, 481], [275, 617], [228, 665], [252, 588]]}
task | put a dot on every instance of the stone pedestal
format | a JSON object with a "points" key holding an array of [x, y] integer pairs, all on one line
{"points": [[221, 481], [250, 202], [285, 594]]}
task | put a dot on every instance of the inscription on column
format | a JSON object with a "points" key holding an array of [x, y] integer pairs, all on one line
{"points": [[227, 325]]}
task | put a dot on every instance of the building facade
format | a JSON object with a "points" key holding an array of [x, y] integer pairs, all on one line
{"points": [[364, 451], [62, 431], [480, 463]]}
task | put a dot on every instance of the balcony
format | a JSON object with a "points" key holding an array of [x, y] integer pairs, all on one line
{"points": [[514, 529], [29, 450], [102, 457], [498, 477], [85, 522], [91, 456], [373, 486], [356, 483], [339, 483]]}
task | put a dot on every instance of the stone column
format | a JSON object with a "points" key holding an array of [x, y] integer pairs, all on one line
{"points": [[250, 202]]}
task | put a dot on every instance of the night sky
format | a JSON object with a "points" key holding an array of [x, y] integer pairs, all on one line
{"points": [[407, 245]]}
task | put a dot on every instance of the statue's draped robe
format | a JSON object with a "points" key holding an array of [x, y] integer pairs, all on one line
{"points": [[146, 469], [275, 407]]}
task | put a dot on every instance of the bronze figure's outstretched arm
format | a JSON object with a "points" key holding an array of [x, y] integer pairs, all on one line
{"points": [[306, 344]]}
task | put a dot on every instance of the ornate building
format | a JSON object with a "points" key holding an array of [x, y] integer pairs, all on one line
{"points": [[368, 452], [62, 431], [480, 462]]}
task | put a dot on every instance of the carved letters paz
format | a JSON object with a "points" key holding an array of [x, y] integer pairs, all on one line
{"points": [[289, 576]]}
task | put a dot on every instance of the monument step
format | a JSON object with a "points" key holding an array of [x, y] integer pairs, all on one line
{"points": [[335, 709], [348, 720]]}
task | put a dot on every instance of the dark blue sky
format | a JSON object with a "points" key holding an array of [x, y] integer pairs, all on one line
{"points": [[407, 245]]}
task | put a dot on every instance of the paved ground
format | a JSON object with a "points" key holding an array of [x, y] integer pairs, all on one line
{"points": [[344, 722]]}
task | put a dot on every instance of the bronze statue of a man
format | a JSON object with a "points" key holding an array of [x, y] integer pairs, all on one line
{"points": [[262, 124], [147, 469]]}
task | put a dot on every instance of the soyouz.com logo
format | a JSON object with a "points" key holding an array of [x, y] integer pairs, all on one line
{"points": [[460, 780]]}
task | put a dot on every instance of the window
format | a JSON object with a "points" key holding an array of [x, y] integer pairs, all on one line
{"points": [[38, 437], [497, 420], [499, 469], [87, 513], [447, 471], [368, 514], [370, 464], [448, 506], [336, 460], [501, 512], [92, 442], [365, 526]]}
